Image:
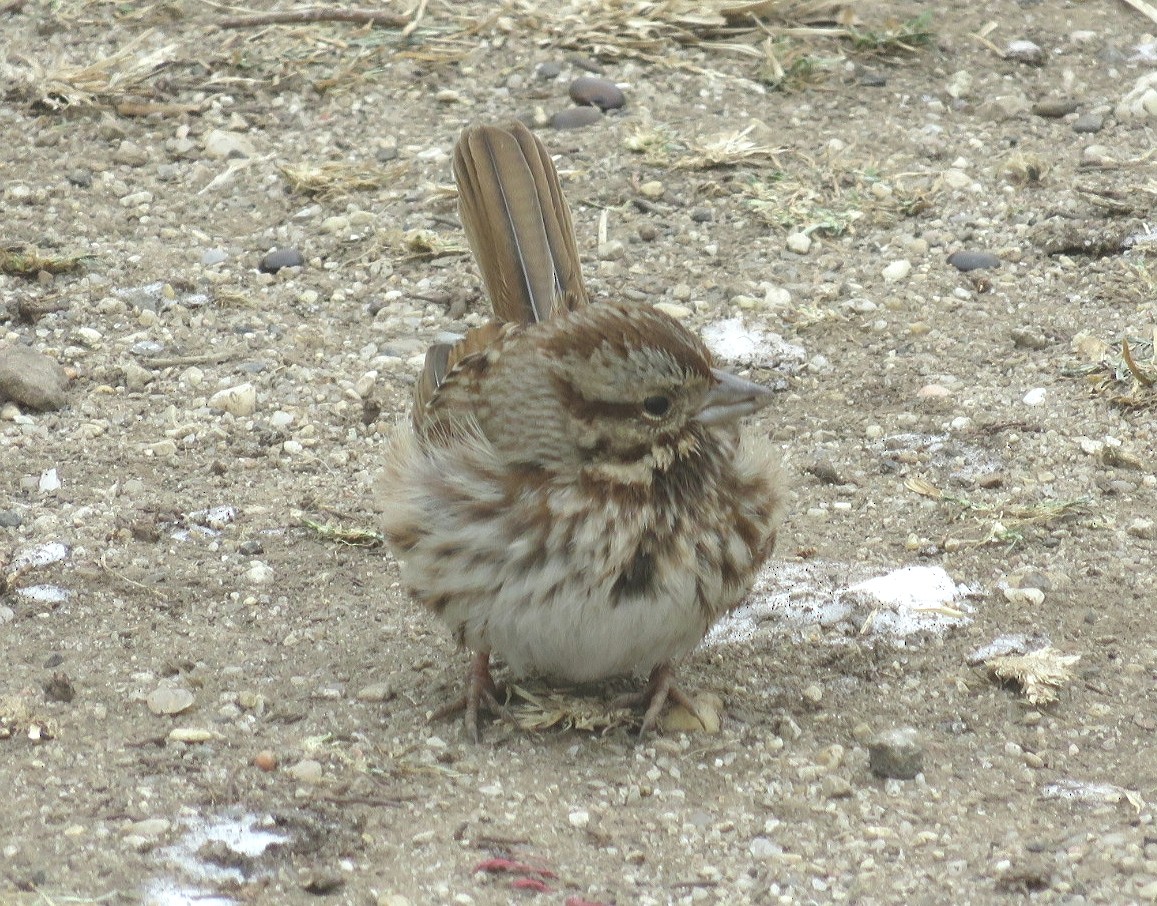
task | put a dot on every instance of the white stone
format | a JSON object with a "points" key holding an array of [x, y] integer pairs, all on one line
{"points": [[896, 270], [1033, 597], [800, 243], [1141, 100], [240, 400]]}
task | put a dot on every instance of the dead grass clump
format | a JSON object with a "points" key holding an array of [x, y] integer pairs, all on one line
{"points": [[336, 180], [104, 82]]}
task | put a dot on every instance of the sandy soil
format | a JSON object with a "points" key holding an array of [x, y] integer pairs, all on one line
{"points": [[205, 699]]}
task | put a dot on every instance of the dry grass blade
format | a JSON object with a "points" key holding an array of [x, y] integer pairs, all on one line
{"points": [[18, 715], [420, 244], [1039, 674], [1004, 521], [553, 709], [1125, 371], [836, 194], [24, 261], [335, 180], [319, 14], [355, 537], [646, 29], [105, 81], [746, 146]]}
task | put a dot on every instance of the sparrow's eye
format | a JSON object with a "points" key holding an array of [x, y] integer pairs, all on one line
{"points": [[656, 406]]}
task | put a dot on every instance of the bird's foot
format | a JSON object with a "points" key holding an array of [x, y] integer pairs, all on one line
{"points": [[660, 689], [481, 691]]}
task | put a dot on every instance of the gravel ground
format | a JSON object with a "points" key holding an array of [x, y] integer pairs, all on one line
{"points": [[211, 694]]}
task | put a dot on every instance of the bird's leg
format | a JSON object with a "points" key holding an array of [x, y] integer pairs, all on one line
{"points": [[660, 689], [480, 690]]}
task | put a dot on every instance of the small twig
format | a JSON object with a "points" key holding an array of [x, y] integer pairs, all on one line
{"points": [[181, 361], [291, 17], [1145, 9], [376, 801], [415, 18], [133, 582], [1140, 375]]}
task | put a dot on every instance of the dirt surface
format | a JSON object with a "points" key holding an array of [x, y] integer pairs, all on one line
{"points": [[930, 417]]}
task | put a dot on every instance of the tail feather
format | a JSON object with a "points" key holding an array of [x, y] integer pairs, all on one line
{"points": [[518, 223]]}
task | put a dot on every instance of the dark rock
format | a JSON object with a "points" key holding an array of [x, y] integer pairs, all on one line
{"points": [[279, 258], [31, 379], [896, 753], [869, 78], [576, 118], [595, 92], [1089, 122], [972, 259], [1054, 108], [548, 70]]}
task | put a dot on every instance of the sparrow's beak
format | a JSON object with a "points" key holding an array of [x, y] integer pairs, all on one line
{"points": [[731, 399]]}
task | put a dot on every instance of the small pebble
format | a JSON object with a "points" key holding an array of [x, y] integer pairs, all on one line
{"points": [[190, 735], [1035, 397], [320, 881], [800, 243], [1025, 52], [833, 786], [31, 379], [763, 848], [1024, 597], [547, 70], [652, 189], [595, 92], [1054, 108], [259, 573], [221, 145], [676, 311], [679, 720], [1140, 102], [240, 400], [1141, 528], [896, 270], [169, 700], [149, 827], [130, 154], [1088, 122], [1025, 338], [576, 118], [896, 753], [275, 260], [265, 761], [306, 771], [375, 692], [971, 260], [960, 85]]}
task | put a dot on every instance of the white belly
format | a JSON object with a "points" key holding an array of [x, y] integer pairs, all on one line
{"points": [[579, 635]]}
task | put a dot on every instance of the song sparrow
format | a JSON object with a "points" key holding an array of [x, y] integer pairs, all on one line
{"points": [[574, 494]]}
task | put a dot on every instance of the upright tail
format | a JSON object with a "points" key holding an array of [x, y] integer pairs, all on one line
{"points": [[519, 227], [518, 223]]}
